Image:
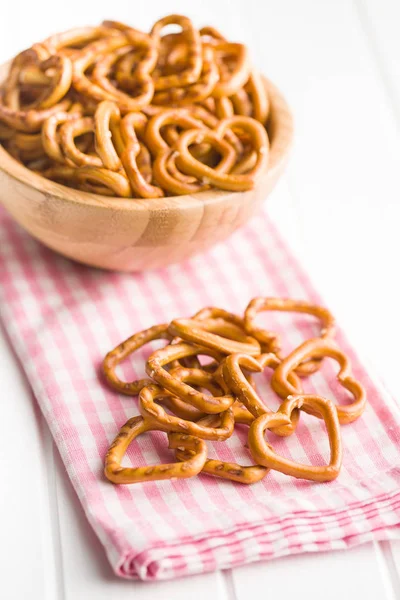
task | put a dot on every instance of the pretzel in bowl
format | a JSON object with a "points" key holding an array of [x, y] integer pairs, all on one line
{"points": [[320, 348], [112, 76], [264, 454], [129, 432], [227, 181], [270, 340]]}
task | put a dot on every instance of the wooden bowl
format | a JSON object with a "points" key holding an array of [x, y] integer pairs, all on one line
{"points": [[135, 235]]}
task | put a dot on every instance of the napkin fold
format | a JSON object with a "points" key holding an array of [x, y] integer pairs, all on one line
{"points": [[62, 318]]}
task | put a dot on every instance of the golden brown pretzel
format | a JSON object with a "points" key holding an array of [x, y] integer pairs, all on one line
{"points": [[271, 339], [259, 97], [227, 470], [224, 108], [141, 79], [130, 431], [155, 370], [218, 334], [264, 454], [108, 136], [226, 181], [231, 80], [177, 117], [195, 92], [194, 55], [71, 129], [242, 104], [156, 414], [30, 120], [103, 181], [169, 180], [50, 137], [232, 370], [319, 348], [125, 349], [87, 57], [129, 157]]}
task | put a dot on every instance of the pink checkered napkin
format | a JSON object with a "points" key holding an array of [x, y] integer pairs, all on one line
{"points": [[62, 318]]}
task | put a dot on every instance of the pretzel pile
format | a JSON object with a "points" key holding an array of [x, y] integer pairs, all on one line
{"points": [[115, 111], [174, 400]]}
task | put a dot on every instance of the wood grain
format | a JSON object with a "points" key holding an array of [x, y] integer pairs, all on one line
{"points": [[138, 234]]}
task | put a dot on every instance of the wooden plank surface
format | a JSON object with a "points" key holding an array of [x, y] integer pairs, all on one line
{"points": [[338, 206]]}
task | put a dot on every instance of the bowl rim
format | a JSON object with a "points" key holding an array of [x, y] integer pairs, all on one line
{"points": [[280, 145]]}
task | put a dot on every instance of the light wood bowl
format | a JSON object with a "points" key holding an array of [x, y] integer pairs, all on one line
{"points": [[136, 235]]}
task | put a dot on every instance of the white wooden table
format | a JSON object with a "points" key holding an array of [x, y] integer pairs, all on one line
{"points": [[339, 205]]}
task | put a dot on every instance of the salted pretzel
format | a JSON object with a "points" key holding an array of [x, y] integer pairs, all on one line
{"points": [[129, 158], [129, 432], [177, 117], [242, 104], [220, 335], [155, 413], [195, 92], [225, 181], [30, 120], [259, 97], [127, 348], [231, 80], [194, 53], [319, 348], [270, 340], [225, 470], [50, 136], [264, 454], [108, 136], [141, 77], [236, 381], [155, 369], [104, 182], [71, 129]]}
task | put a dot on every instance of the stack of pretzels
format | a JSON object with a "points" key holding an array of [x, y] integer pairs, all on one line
{"points": [[115, 111], [237, 347]]}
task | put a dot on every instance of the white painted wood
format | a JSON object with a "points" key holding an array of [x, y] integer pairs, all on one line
{"points": [[87, 573], [27, 552], [324, 575], [338, 206]]}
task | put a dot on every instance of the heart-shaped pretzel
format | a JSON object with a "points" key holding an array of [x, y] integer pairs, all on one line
{"points": [[235, 380], [227, 181], [320, 348], [194, 53], [155, 370], [129, 159], [195, 92], [50, 136], [69, 131], [225, 470], [155, 413], [270, 340], [125, 349], [264, 454], [140, 79], [130, 431], [220, 335], [103, 181], [108, 136], [231, 79]]}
